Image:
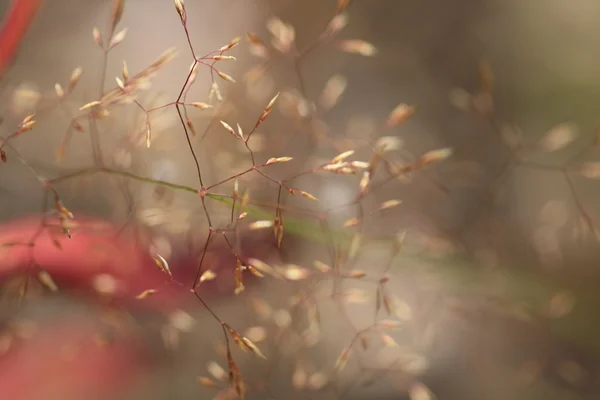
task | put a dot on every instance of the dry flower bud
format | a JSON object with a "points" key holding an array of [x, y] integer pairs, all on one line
{"points": [[164, 58], [434, 156], [387, 304], [357, 273], [45, 279], [179, 6], [125, 71], [25, 98], [295, 273], [89, 105], [333, 90], [317, 381], [120, 83], [260, 224], [215, 91], [284, 34], [27, 119], [278, 230], [202, 106], [75, 76], [266, 111], [253, 348], [307, 195], [359, 164], [223, 58], [207, 275], [61, 209], [324, 268], [148, 132], [240, 387], [389, 324], [389, 204], [236, 189], [274, 160], [65, 226], [357, 46], [207, 382], [364, 183], [97, 37], [263, 267], [60, 93], [351, 222], [342, 360], [334, 167], [190, 126], [245, 198], [117, 38], [354, 245], [145, 294], [388, 143], [401, 113], [229, 128], [341, 157], [269, 106], [254, 271], [181, 320], [558, 137], [193, 73], [238, 279], [162, 265], [253, 39], [226, 77], [26, 126], [338, 23], [399, 242], [346, 171], [388, 340], [216, 371], [234, 42], [117, 12]]}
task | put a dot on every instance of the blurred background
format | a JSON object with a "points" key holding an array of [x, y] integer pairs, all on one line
{"points": [[494, 289]]}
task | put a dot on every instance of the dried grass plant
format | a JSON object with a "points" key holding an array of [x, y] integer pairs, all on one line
{"points": [[231, 209]]}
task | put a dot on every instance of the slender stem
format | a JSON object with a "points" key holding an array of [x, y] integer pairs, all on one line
{"points": [[124, 174]]}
